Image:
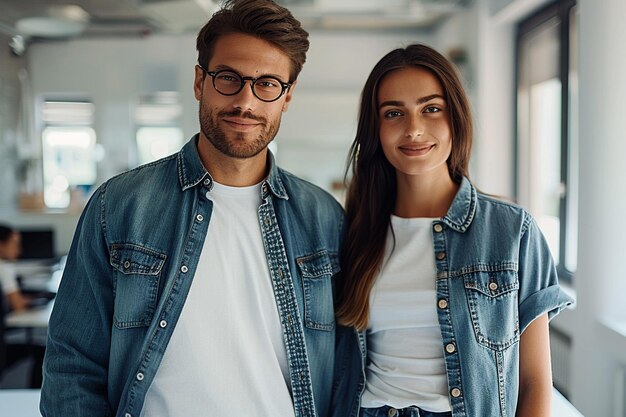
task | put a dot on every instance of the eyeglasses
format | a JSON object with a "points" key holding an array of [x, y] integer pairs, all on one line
{"points": [[265, 88]]}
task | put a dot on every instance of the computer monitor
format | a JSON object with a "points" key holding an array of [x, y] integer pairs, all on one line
{"points": [[37, 244]]}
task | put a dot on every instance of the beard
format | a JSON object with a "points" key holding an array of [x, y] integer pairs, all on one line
{"points": [[237, 145]]}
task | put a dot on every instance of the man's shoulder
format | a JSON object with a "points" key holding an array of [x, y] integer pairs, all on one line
{"points": [[144, 176]]}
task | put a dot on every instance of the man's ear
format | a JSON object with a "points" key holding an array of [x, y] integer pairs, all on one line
{"points": [[198, 82], [288, 96]]}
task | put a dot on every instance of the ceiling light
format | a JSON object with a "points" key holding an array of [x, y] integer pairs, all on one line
{"points": [[60, 21], [49, 27], [69, 12]]}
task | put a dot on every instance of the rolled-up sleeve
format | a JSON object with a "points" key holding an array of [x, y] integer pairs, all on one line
{"points": [[539, 289]]}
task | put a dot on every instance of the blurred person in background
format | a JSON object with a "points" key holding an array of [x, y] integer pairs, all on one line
{"points": [[12, 300], [10, 249]]}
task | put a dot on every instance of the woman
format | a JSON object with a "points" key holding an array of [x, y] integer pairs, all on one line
{"points": [[450, 290]]}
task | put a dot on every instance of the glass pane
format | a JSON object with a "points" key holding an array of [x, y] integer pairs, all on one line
{"points": [[157, 142], [69, 161], [539, 129], [571, 231], [545, 159]]}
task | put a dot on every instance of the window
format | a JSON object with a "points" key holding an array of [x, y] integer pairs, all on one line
{"points": [[69, 151], [158, 131], [547, 162]]}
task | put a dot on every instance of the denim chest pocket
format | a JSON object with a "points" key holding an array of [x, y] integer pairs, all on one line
{"points": [[136, 287], [493, 305], [317, 271]]}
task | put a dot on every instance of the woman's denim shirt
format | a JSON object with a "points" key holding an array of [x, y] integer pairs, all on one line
{"points": [[495, 275], [130, 268]]}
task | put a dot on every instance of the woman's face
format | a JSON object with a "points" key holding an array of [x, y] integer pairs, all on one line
{"points": [[11, 249], [415, 132]]}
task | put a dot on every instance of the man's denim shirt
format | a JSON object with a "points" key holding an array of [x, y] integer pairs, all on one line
{"points": [[130, 267], [495, 275]]}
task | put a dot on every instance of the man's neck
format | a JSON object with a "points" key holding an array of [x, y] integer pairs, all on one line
{"points": [[234, 172]]}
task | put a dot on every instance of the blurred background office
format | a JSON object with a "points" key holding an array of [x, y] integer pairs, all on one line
{"points": [[89, 89]]}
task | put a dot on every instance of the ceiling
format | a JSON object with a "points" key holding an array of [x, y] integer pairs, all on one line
{"points": [[36, 20]]}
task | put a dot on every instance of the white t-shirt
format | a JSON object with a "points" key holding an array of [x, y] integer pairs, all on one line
{"points": [[405, 347], [8, 278], [226, 356]]}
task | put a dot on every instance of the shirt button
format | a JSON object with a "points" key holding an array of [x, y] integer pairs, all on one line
{"points": [[206, 182], [139, 376], [128, 415], [392, 412], [455, 392], [441, 256], [450, 348], [493, 286], [163, 324], [184, 269], [199, 217], [126, 264], [442, 303], [438, 228]]}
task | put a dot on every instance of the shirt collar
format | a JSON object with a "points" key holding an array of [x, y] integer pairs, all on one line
{"points": [[274, 179], [191, 171], [463, 208]]}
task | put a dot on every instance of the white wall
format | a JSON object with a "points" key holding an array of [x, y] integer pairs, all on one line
{"points": [[600, 317], [113, 72]]}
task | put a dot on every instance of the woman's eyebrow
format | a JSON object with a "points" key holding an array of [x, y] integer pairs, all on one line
{"points": [[420, 100]]}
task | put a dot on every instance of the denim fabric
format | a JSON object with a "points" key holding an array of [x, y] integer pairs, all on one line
{"points": [[387, 411], [130, 268], [495, 275]]}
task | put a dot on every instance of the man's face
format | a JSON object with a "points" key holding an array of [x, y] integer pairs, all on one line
{"points": [[241, 126]]}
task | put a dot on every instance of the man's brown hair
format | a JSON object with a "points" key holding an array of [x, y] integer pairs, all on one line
{"points": [[263, 19]]}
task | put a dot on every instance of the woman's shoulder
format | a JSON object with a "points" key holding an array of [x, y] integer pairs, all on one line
{"points": [[498, 202], [502, 210]]}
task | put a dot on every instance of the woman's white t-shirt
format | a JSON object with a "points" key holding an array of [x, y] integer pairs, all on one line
{"points": [[405, 348]]}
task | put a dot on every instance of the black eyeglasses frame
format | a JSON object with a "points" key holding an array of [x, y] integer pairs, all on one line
{"points": [[284, 86]]}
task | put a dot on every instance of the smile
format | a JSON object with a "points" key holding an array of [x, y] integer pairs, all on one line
{"points": [[416, 150], [239, 123]]}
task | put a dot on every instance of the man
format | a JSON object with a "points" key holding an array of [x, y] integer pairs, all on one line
{"points": [[201, 285]]}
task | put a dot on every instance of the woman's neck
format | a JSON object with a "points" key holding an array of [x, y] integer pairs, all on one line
{"points": [[424, 195]]}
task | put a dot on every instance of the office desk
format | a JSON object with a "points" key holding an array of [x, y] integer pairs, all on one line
{"points": [[36, 317], [19, 403], [33, 318]]}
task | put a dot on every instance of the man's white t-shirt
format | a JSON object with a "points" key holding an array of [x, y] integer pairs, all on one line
{"points": [[405, 348], [226, 356]]}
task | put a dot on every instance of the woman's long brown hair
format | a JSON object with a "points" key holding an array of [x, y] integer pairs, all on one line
{"points": [[371, 195]]}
